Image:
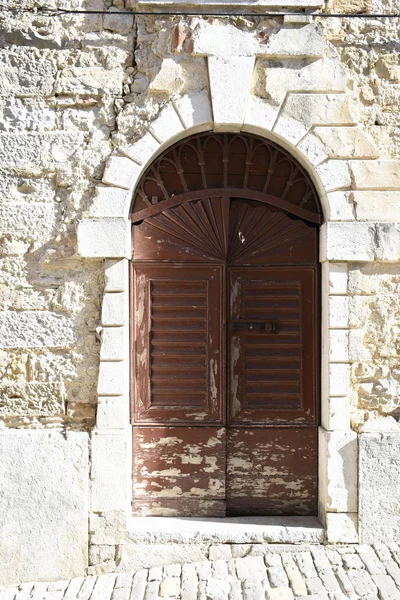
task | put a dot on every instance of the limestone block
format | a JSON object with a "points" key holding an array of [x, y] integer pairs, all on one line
{"points": [[350, 241], [230, 79], [114, 343], [341, 207], [104, 238], [143, 149], [167, 125], [311, 147], [120, 23], [223, 40], [108, 527], [194, 110], [121, 172], [377, 205], [301, 42], [387, 66], [26, 74], [335, 414], [33, 221], [35, 329], [379, 505], [139, 556], [358, 351], [112, 412], [38, 150], [290, 129], [318, 109], [110, 202], [324, 75], [338, 345], [260, 114], [43, 505], [346, 142], [35, 399], [222, 3], [112, 379], [334, 175], [370, 279], [387, 241], [341, 528], [169, 80], [115, 309], [338, 311], [376, 174], [338, 470], [116, 275], [110, 470], [90, 80]]}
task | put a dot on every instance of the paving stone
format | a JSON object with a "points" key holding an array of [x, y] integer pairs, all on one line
{"points": [[139, 585], [170, 587], [296, 580], [334, 557], [220, 569], [155, 574], [122, 593], [172, 571], [277, 576], [329, 580], [279, 593], [203, 570], [352, 561], [24, 590], [320, 559], [152, 588], [250, 567], [306, 565], [272, 559], [362, 582], [220, 552], [189, 582], [373, 564], [217, 589], [382, 552], [253, 589], [124, 580], [345, 582], [86, 588], [393, 569], [314, 585], [386, 586]]}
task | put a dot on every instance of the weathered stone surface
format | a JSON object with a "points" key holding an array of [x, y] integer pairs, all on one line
{"points": [[36, 329], [338, 471], [138, 556], [379, 487], [90, 80], [44, 505], [341, 528], [23, 74], [104, 238], [18, 398]]}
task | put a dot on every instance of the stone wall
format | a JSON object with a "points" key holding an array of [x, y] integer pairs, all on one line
{"points": [[85, 102]]}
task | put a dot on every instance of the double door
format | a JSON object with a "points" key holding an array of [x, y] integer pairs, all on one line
{"points": [[225, 386]]}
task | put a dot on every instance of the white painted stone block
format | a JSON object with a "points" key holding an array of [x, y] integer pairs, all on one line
{"points": [[115, 309], [167, 125], [35, 329], [342, 528], [334, 174], [324, 75], [312, 148], [339, 379], [377, 205], [112, 379], [350, 241], [376, 174], [116, 275], [112, 412], [335, 414], [121, 172], [194, 110], [337, 277], [260, 114], [346, 142], [43, 505], [104, 238], [338, 470], [338, 345], [109, 472], [230, 79], [110, 202], [114, 343], [338, 311], [290, 129], [341, 207], [379, 505], [301, 42], [143, 149]]}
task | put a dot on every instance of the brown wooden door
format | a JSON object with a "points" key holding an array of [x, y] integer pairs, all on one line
{"points": [[225, 361]]}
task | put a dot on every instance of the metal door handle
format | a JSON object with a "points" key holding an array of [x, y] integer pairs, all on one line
{"points": [[251, 325]]}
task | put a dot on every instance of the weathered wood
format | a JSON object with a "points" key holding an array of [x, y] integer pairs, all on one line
{"points": [[272, 471], [173, 464]]}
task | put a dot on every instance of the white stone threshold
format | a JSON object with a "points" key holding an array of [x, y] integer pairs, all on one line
{"points": [[230, 530]]}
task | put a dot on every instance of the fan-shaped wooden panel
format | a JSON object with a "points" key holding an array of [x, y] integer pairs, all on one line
{"points": [[226, 161], [223, 230]]}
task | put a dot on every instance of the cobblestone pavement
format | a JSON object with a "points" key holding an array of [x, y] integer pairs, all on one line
{"points": [[243, 573]]}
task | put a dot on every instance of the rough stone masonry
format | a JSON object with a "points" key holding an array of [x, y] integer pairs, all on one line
{"points": [[86, 102]]}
